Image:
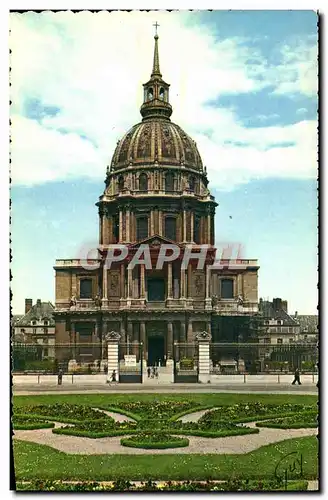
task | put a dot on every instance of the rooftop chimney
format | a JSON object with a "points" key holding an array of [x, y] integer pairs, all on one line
{"points": [[28, 305], [296, 313]]}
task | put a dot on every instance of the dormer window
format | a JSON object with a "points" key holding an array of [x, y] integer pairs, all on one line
{"points": [[192, 183], [121, 183], [46, 322], [34, 322], [143, 182]]}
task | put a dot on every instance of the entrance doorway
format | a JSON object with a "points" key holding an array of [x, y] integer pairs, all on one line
{"points": [[156, 351]]}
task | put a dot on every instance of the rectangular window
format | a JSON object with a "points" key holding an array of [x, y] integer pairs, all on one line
{"points": [[171, 228], [142, 228], [227, 289], [85, 288], [279, 341], [291, 341], [290, 329]]}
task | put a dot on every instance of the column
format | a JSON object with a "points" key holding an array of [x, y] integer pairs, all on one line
{"points": [[182, 283], [105, 284], [127, 222], [129, 283], [208, 229], [160, 222], [190, 331], [192, 226], [208, 281], [143, 339], [129, 337], [123, 336], [169, 340], [208, 301], [169, 280], [189, 284], [121, 226], [101, 227], [152, 223], [182, 349], [142, 281], [122, 284], [184, 236], [73, 340]]}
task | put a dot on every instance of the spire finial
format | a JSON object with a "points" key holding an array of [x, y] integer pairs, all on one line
{"points": [[156, 71]]}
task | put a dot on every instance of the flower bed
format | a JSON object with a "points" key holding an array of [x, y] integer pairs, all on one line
{"points": [[251, 411], [159, 410], [154, 440], [64, 413], [122, 485], [298, 421], [23, 422]]}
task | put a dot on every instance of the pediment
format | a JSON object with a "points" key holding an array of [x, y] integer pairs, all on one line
{"points": [[155, 241]]}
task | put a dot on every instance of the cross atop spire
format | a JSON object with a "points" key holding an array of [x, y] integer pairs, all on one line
{"points": [[156, 71], [156, 26]]}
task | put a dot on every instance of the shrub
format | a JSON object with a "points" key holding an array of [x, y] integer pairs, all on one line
{"points": [[65, 412], [298, 421], [154, 441]]}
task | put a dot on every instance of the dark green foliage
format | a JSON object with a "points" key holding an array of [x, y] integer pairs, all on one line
{"points": [[297, 421], [154, 440], [63, 412]]}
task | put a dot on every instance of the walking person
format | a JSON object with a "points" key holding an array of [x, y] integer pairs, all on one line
{"points": [[148, 371], [152, 371], [156, 372], [113, 377], [297, 377]]}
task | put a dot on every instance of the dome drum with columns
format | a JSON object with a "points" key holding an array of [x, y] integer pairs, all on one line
{"points": [[156, 172]]}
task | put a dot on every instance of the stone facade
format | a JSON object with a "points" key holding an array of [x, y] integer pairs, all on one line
{"points": [[156, 193]]}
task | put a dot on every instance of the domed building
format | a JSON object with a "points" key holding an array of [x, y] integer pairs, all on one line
{"points": [[156, 193]]}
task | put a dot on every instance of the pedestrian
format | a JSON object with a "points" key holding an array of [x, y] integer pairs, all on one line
{"points": [[152, 371], [297, 377], [113, 377], [148, 371], [60, 376], [156, 372]]}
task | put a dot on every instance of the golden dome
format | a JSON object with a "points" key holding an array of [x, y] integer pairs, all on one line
{"points": [[156, 141]]}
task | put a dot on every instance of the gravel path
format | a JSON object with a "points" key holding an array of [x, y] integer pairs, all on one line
{"points": [[195, 416], [111, 445], [118, 417]]}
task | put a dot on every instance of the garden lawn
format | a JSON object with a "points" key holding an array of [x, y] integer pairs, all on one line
{"points": [[34, 461]]}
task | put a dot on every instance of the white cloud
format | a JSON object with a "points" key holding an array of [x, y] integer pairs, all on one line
{"points": [[92, 67]]}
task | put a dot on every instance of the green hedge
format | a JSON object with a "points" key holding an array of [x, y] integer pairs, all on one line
{"points": [[32, 425], [154, 441]]}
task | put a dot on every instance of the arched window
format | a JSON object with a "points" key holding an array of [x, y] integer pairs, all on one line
{"points": [[192, 183], [171, 228], [143, 182], [227, 289], [161, 94], [121, 183], [142, 227], [169, 182], [150, 94], [86, 288]]}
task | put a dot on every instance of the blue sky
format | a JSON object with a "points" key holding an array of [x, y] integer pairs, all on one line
{"points": [[246, 93]]}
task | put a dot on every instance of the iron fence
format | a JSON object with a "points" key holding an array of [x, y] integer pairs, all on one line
{"points": [[185, 362], [236, 358], [130, 362], [79, 358]]}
